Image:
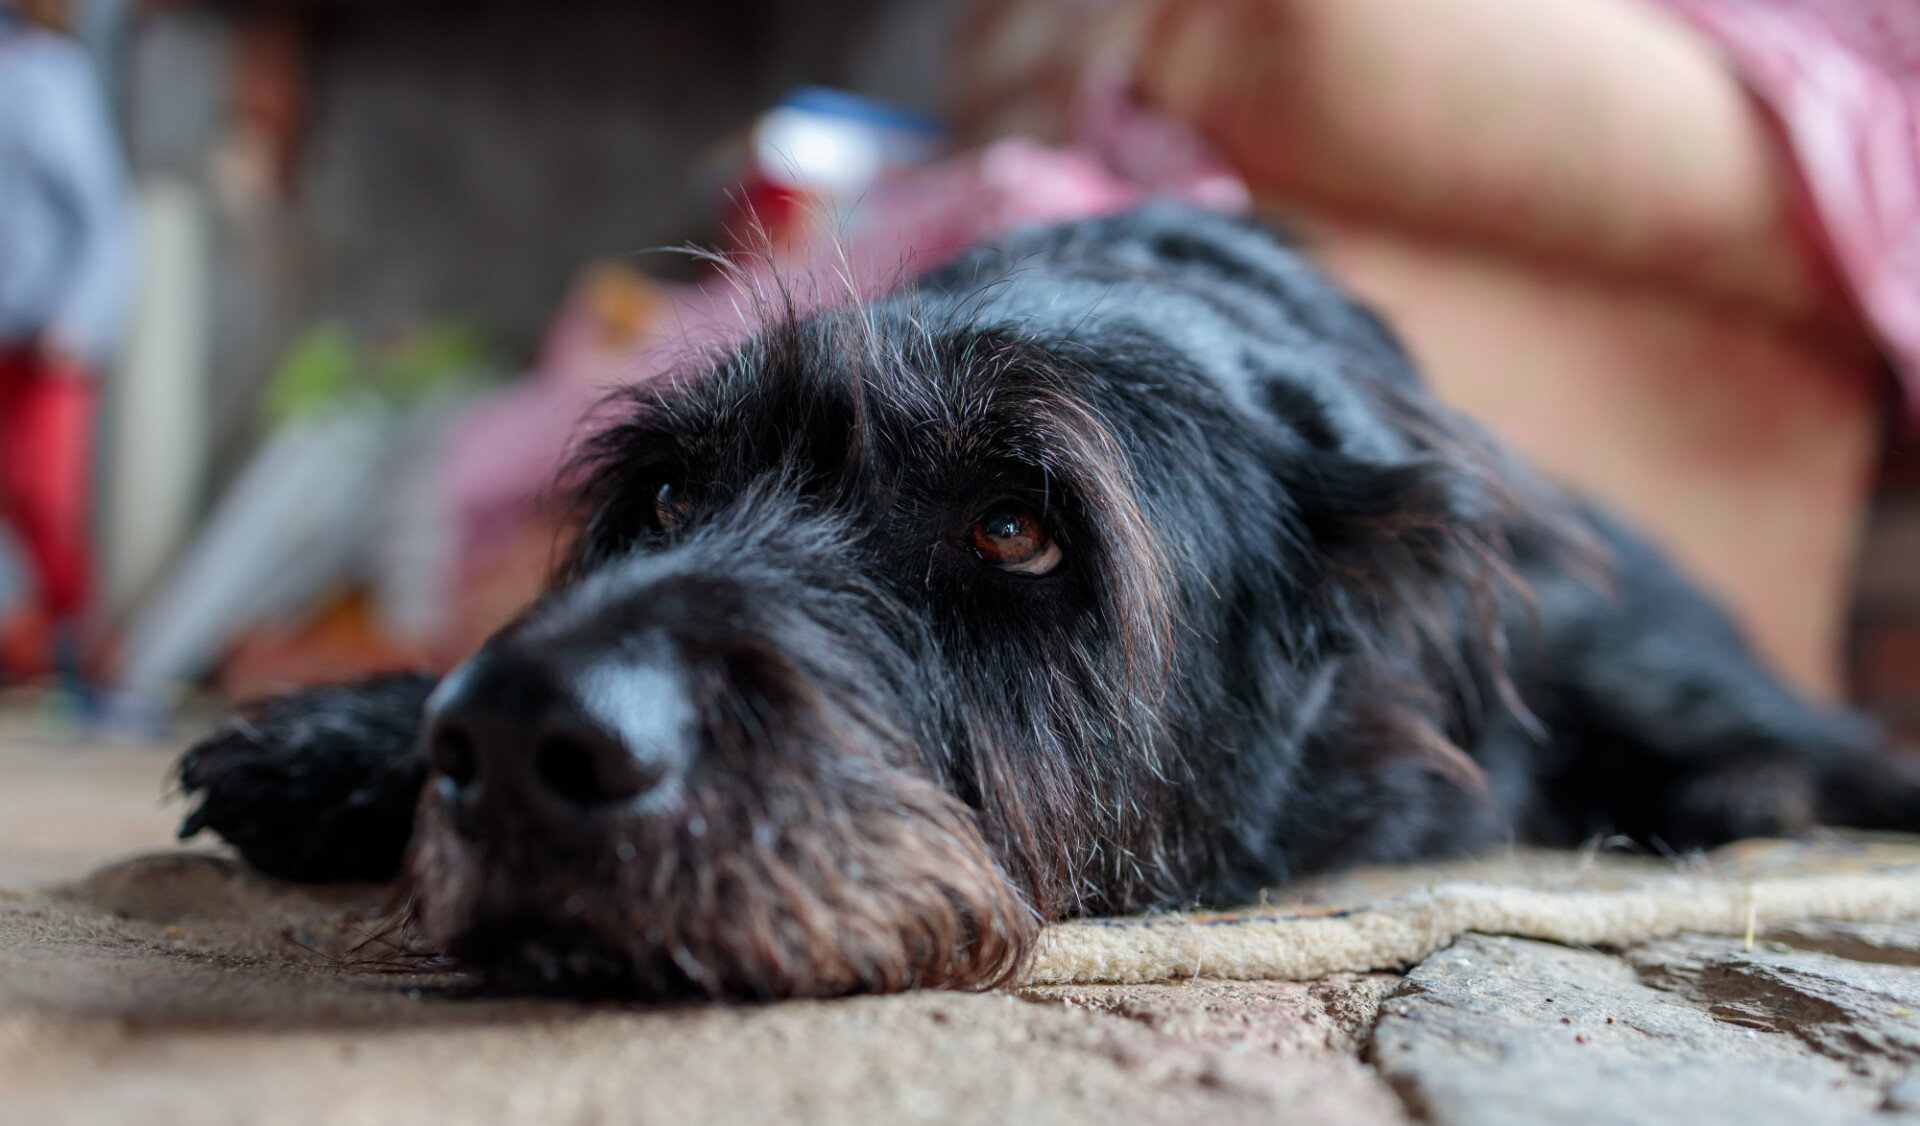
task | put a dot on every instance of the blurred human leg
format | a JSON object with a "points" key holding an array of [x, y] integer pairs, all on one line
{"points": [[46, 455]]}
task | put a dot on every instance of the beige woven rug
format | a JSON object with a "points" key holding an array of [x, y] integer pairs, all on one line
{"points": [[1383, 919]]}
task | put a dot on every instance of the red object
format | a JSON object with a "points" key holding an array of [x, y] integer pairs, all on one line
{"points": [[46, 460], [762, 214]]}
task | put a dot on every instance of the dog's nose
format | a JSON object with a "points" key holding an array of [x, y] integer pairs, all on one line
{"points": [[561, 734]]}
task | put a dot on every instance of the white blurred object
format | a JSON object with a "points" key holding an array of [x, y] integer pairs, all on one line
{"points": [[157, 438], [412, 559], [816, 151], [297, 521], [837, 143]]}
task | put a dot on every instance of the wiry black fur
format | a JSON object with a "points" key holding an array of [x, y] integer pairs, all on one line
{"points": [[1307, 617]]}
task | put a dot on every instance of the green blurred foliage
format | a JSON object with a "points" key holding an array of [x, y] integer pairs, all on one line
{"points": [[329, 362]]}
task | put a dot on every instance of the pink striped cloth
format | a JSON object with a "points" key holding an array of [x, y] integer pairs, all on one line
{"points": [[1843, 79]]}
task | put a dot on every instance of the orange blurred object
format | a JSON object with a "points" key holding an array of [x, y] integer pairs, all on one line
{"points": [[341, 642]]}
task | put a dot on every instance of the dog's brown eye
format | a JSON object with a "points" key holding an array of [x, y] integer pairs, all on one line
{"points": [[1012, 538], [670, 506]]}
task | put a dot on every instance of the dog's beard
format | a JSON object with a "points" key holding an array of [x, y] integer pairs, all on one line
{"points": [[772, 891], [809, 850]]}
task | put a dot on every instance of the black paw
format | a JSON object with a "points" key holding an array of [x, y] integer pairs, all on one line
{"points": [[1764, 797], [1873, 791], [319, 786]]}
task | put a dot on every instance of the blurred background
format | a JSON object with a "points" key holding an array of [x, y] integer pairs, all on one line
{"points": [[302, 302]]}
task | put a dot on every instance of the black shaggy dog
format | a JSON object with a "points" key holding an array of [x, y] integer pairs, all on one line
{"points": [[1124, 565]]}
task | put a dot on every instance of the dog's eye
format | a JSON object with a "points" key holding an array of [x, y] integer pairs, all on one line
{"points": [[1012, 538], [670, 505]]}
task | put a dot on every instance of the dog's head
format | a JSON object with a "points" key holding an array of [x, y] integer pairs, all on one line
{"points": [[906, 627]]}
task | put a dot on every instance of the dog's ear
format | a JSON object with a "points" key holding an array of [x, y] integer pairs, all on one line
{"points": [[1415, 552]]}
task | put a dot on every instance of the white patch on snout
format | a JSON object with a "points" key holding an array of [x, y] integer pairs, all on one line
{"points": [[450, 685], [648, 707]]}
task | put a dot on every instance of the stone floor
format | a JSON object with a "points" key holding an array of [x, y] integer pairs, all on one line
{"points": [[142, 982]]}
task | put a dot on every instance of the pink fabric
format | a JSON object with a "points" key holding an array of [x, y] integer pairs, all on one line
{"points": [[1843, 78]]}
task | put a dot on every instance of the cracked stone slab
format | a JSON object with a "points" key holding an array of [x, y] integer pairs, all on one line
{"points": [[1499, 1030], [1864, 1015]]}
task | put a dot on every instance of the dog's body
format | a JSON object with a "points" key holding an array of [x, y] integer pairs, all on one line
{"points": [[1126, 565]]}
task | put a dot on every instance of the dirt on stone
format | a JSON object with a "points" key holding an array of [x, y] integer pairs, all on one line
{"points": [[1333, 1014]]}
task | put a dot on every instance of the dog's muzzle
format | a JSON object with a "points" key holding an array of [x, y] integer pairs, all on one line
{"points": [[693, 775]]}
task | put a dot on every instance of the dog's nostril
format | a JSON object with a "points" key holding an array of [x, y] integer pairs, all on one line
{"points": [[589, 773], [453, 755]]}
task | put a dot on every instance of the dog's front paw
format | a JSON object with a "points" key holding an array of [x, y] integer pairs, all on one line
{"points": [[318, 787]]}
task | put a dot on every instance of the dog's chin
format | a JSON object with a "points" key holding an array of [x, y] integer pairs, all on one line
{"points": [[535, 956], [901, 899], [513, 939]]}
